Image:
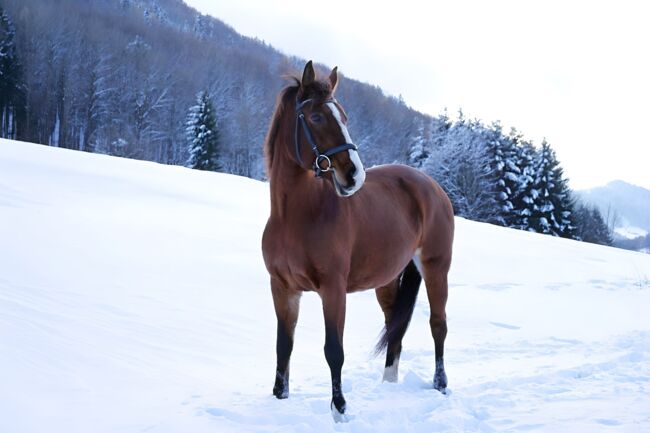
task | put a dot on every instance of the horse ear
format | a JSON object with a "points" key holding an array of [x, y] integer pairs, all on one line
{"points": [[308, 75], [334, 78]]}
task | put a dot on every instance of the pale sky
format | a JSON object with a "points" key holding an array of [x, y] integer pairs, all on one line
{"points": [[577, 73]]}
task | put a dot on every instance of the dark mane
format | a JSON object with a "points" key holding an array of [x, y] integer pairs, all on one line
{"points": [[286, 95], [317, 90]]}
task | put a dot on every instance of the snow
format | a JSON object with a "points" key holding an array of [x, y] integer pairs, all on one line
{"points": [[133, 297]]}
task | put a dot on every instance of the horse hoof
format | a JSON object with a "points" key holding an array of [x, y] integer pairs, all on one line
{"points": [[440, 382], [280, 394], [339, 416]]}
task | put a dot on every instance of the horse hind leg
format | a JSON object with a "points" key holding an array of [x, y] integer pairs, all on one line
{"points": [[386, 297], [397, 301], [287, 305], [435, 278]]}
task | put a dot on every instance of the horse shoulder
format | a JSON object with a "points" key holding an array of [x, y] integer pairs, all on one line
{"points": [[428, 200]]}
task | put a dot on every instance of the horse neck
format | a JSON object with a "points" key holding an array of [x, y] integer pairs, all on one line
{"points": [[289, 181]]}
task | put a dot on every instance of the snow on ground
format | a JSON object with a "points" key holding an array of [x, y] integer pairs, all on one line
{"points": [[133, 298]]}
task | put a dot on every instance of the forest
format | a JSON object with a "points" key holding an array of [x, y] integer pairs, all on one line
{"points": [[142, 78]]}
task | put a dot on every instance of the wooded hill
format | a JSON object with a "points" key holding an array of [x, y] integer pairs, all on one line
{"points": [[122, 77], [118, 76]]}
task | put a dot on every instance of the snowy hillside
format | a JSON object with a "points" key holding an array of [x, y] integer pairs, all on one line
{"points": [[133, 298]]}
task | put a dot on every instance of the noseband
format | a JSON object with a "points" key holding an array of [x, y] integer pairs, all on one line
{"points": [[320, 157]]}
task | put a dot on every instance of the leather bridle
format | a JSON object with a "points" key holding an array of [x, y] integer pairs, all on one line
{"points": [[320, 157]]}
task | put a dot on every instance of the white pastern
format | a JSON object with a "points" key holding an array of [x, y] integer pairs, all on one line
{"points": [[390, 373]]}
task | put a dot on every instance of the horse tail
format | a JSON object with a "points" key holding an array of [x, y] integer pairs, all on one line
{"points": [[402, 311]]}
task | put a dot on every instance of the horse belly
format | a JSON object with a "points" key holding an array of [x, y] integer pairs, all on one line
{"points": [[380, 262]]}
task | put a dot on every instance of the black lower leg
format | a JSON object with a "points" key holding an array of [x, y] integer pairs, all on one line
{"points": [[283, 348], [335, 357], [392, 354], [440, 377]]}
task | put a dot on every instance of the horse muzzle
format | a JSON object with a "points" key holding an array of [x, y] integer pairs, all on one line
{"points": [[351, 181]]}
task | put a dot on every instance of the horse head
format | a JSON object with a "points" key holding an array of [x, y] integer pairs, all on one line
{"points": [[321, 128]]}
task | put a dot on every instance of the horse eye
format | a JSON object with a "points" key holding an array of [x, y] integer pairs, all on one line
{"points": [[316, 117]]}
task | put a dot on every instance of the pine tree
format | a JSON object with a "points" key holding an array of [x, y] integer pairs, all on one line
{"points": [[552, 211], [591, 226], [526, 195], [12, 90], [202, 135], [505, 172]]}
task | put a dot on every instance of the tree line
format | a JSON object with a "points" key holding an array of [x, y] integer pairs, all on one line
{"points": [[121, 77], [502, 178]]}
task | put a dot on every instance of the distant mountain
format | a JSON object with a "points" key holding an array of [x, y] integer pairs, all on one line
{"points": [[631, 203]]}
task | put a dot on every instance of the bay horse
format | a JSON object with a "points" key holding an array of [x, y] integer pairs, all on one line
{"points": [[336, 228]]}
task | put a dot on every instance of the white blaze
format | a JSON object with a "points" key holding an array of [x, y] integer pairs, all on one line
{"points": [[360, 173], [337, 115]]}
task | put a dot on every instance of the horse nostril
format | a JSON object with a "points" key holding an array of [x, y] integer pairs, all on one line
{"points": [[350, 175]]}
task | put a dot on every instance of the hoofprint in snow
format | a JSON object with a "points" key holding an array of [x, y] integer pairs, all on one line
{"points": [[133, 297]]}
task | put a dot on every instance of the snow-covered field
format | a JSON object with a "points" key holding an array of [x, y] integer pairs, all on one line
{"points": [[133, 298]]}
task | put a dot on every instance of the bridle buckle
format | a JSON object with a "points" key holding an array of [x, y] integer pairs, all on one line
{"points": [[318, 168]]}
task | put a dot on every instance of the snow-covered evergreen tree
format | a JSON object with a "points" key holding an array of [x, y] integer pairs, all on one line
{"points": [[553, 207], [525, 194], [202, 135], [12, 97], [591, 226], [505, 172]]}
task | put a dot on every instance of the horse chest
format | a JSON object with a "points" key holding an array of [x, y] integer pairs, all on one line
{"points": [[287, 257]]}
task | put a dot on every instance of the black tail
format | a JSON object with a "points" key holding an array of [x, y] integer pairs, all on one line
{"points": [[407, 293]]}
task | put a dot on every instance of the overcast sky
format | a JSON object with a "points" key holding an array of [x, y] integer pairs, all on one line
{"points": [[577, 73]]}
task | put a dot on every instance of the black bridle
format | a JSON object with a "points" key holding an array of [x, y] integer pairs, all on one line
{"points": [[320, 157]]}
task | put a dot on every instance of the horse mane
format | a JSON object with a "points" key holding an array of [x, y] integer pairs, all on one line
{"points": [[286, 95], [318, 90]]}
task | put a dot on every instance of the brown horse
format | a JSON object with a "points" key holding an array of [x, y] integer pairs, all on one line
{"points": [[346, 229]]}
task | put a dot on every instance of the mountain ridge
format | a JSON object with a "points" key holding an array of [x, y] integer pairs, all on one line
{"points": [[631, 202]]}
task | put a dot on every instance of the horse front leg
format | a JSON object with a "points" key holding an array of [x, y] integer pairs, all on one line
{"points": [[334, 314], [287, 306]]}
